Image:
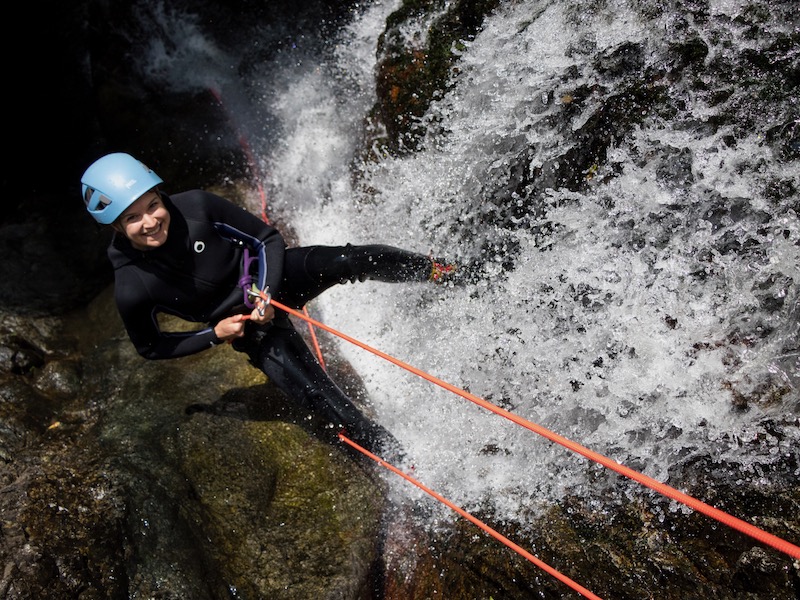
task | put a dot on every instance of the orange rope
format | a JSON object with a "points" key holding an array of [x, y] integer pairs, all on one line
{"points": [[495, 534], [314, 339], [670, 492]]}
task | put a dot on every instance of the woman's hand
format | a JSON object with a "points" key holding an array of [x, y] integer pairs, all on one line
{"points": [[230, 327], [263, 312], [233, 327]]}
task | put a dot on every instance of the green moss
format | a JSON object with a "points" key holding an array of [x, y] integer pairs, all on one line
{"points": [[283, 499]]}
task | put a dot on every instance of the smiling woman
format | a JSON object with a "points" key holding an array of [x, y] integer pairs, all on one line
{"points": [[197, 256], [145, 222]]}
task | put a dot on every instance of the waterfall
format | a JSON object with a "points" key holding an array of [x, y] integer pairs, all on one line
{"points": [[651, 315]]}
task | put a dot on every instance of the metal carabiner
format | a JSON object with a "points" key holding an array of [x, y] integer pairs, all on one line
{"points": [[264, 296]]}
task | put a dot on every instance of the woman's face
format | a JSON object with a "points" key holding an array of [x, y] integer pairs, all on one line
{"points": [[145, 222]]}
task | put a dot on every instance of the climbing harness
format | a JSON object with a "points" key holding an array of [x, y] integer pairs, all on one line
{"points": [[249, 275], [247, 281]]}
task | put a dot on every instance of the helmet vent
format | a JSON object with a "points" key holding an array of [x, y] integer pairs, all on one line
{"points": [[99, 203]]}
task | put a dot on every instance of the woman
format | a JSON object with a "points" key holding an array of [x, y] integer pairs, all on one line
{"points": [[196, 255]]}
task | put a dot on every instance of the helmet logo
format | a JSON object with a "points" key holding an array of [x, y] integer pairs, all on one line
{"points": [[199, 246]]}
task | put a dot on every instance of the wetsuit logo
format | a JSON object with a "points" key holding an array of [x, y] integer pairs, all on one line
{"points": [[199, 246]]}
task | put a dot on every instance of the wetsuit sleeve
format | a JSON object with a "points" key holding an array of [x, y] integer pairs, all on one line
{"points": [[266, 239], [138, 314]]}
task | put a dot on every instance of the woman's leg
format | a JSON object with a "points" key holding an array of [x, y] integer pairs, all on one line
{"points": [[280, 352], [311, 270]]}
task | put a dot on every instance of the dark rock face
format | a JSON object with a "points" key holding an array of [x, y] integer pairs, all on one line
{"points": [[54, 258]]}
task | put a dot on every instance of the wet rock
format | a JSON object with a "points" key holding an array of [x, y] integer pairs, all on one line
{"points": [[411, 76], [59, 379], [117, 490]]}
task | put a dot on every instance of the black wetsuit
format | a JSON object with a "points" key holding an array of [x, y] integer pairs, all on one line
{"points": [[195, 275]]}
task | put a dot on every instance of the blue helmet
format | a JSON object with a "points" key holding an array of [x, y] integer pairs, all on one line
{"points": [[112, 183]]}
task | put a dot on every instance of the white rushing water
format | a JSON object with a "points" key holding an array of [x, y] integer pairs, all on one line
{"points": [[603, 333]]}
